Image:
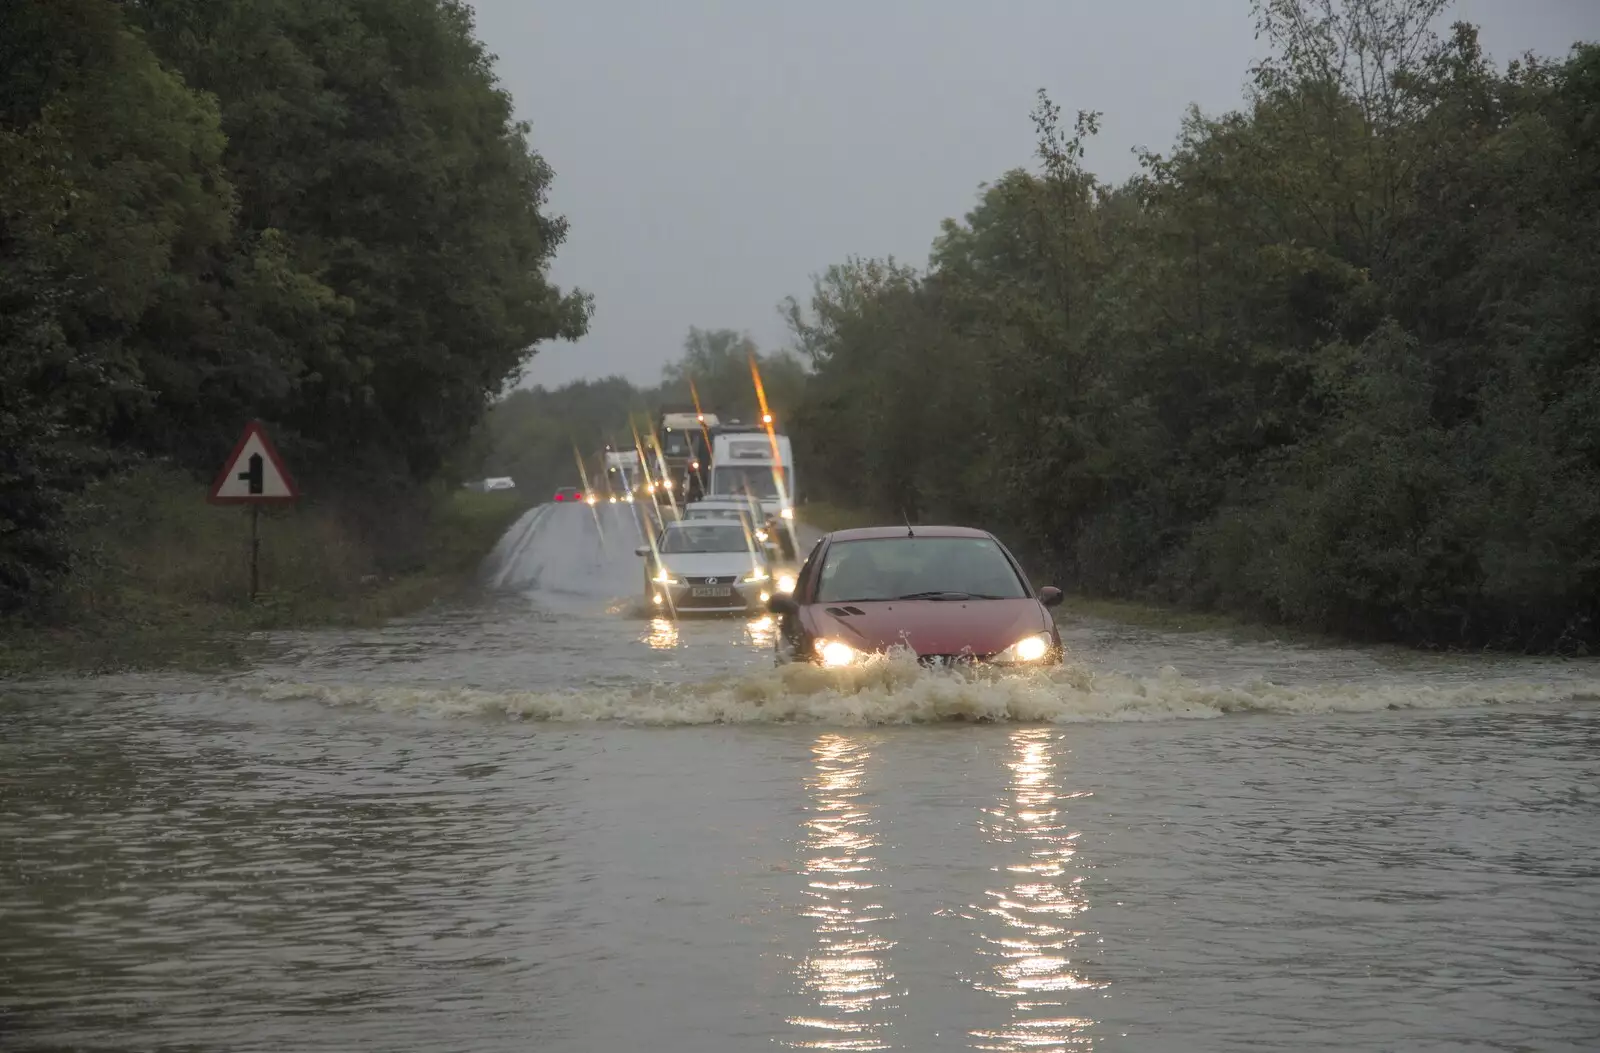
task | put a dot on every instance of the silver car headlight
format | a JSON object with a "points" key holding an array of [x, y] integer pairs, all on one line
{"points": [[664, 577], [756, 575], [1028, 649]]}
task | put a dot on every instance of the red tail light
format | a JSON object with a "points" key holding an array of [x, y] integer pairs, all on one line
{"points": [[559, 497]]}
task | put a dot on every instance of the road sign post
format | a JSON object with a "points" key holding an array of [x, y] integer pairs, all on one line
{"points": [[254, 475], [255, 552]]}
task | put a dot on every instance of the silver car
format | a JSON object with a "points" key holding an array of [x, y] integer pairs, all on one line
{"points": [[706, 566]]}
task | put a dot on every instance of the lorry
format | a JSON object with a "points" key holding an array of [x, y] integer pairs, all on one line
{"points": [[684, 438]]}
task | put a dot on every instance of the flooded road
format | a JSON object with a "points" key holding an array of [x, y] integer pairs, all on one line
{"points": [[549, 822]]}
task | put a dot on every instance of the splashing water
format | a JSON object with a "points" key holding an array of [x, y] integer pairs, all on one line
{"points": [[896, 690]]}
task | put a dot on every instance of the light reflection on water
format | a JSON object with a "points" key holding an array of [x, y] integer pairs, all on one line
{"points": [[662, 633], [761, 632], [845, 976], [1033, 946]]}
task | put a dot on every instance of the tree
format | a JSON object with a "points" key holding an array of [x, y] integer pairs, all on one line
{"points": [[1329, 361], [716, 365], [374, 150], [112, 195], [317, 212]]}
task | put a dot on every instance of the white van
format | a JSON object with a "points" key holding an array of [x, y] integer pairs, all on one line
{"points": [[743, 462], [624, 473]]}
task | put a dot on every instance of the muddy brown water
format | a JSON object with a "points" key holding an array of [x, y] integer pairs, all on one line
{"points": [[547, 821]]}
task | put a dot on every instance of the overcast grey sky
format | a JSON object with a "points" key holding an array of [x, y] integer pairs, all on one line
{"points": [[712, 155]]}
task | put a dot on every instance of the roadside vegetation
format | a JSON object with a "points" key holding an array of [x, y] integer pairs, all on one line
{"points": [[318, 213], [1331, 362], [160, 578]]}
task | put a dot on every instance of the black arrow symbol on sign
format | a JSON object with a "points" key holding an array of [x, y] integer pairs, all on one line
{"points": [[254, 474]]}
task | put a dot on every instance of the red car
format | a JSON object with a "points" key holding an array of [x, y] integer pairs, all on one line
{"points": [[954, 595]]}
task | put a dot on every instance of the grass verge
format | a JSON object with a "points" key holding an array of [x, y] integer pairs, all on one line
{"points": [[163, 578], [1168, 619], [828, 518]]}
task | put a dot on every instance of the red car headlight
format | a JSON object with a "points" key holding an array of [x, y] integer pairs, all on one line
{"points": [[1032, 648], [836, 653]]}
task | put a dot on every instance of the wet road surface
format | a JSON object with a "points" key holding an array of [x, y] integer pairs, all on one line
{"points": [[549, 821]]}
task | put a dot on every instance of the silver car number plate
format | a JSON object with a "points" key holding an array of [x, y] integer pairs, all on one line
{"points": [[711, 590]]}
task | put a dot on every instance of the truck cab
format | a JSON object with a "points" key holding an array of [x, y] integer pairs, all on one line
{"points": [[683, 436], [624, 473]]}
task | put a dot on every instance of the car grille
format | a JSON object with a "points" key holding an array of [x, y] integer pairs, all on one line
{"points": [[946, 661], [726, 579]]}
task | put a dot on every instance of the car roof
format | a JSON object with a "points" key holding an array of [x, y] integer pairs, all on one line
{"points": [[705, 522], [876, 533]]}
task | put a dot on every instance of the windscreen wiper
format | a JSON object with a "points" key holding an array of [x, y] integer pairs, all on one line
{"points": [[936, 594]]}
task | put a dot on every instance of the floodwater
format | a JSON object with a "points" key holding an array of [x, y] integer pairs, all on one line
{"points": [[548, 822]]}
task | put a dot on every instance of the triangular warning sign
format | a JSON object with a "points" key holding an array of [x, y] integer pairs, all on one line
{"points": [[254, 472]]}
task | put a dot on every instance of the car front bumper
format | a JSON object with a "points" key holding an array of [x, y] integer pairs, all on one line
{"points": [[737, 598], [946, 662]]}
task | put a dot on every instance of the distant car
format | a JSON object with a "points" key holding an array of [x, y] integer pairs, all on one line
{"points": [[705, 566], [953, 595], [661, 490], [569, 493]]}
